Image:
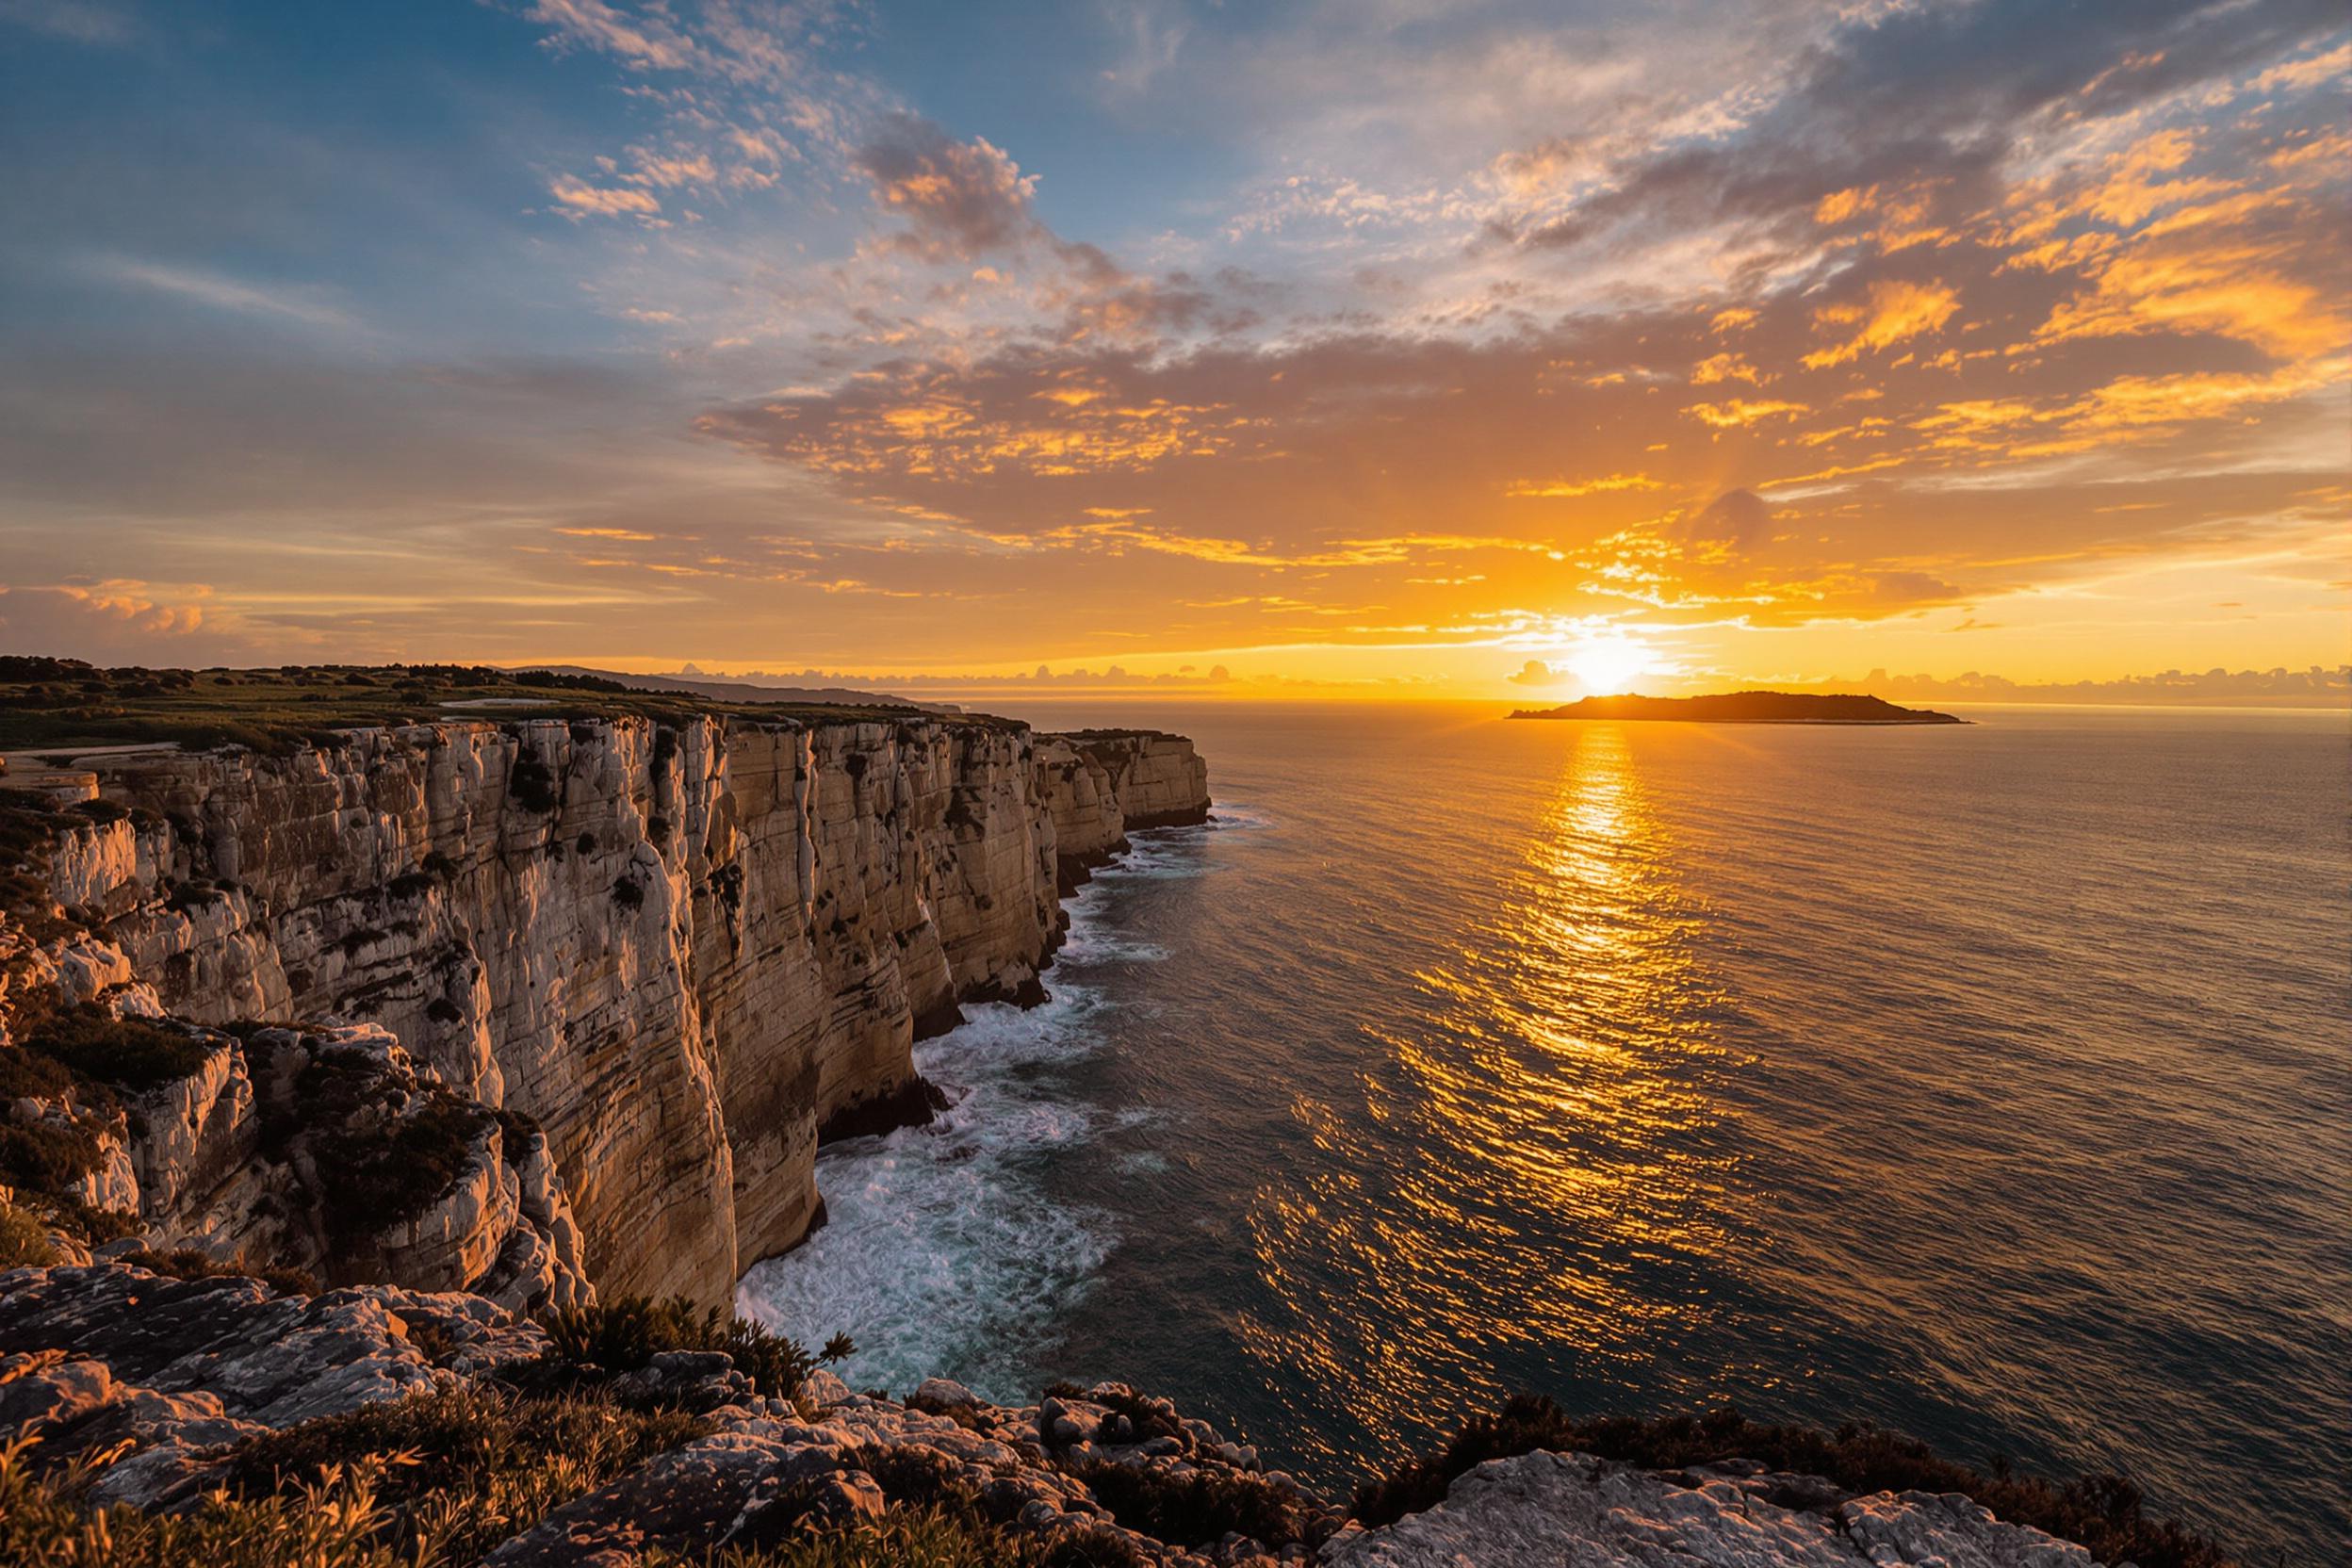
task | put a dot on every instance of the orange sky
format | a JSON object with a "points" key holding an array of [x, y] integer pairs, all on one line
{"points": [[1509, 357]]}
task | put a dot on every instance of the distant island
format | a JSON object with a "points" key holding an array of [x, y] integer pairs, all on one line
{"points": [[1743, 708]]}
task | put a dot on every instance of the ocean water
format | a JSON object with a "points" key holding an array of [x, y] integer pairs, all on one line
{"points": [[1993, 1084]]}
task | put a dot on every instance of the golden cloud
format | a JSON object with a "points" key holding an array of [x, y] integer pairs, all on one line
{"points": [[1897, 310]]}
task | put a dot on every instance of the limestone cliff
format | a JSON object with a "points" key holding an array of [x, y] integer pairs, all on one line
{"points": [[673, 951]]}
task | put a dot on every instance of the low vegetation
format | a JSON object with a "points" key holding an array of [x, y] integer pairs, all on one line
{"points": [[1196, 1509], [588, 1345], [332, 1522], [459, 1470], [121, 1053], [185, 1262], [63, 703], [24, 1239], [2100, 1513]]}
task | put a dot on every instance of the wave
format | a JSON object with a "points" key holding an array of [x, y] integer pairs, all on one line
{"points": [[943, 1250]]}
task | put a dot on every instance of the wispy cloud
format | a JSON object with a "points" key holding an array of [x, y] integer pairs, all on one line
{"points": [[303, 302]]}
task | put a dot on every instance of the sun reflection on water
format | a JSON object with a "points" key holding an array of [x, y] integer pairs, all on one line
{"points": [[1543, 1165]]}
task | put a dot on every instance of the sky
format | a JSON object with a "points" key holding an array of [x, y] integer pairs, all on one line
{"points": [[1460, 347]]}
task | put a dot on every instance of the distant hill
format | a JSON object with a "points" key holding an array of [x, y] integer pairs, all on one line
{"points": [[1743, 708], [744, 691]]}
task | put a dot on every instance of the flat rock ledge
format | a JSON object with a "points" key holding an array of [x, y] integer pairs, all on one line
{"points": [[1557, 1510], [170, 1376]]}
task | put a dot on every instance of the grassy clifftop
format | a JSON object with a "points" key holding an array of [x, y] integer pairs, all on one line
{"points": [[65, 704]]}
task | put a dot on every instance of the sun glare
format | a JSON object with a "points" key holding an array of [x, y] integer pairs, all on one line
{"points": [[1606, 666]]}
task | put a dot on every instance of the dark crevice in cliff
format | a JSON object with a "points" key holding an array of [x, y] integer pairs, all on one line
{"points": [[913, 1103]]}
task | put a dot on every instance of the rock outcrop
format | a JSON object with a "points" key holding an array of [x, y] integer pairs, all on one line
{"points": [[179, 1371], [663, 956], [161, 1381], [1549, 1508]]}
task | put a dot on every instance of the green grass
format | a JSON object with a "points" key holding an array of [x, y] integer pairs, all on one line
{"points": [[2102, 1514], [58, 705]]}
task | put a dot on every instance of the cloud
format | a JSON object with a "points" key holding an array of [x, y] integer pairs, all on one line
{"points": [[1537, 673], [578, 200], [1737, 519], [960, 200], [115, 621], [95, 22], [649, 42], [211, 289], [1895, 310], [1562, 489], [1736, 412]]}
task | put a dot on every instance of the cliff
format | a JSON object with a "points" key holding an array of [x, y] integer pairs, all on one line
{"points": [[614, 973]]}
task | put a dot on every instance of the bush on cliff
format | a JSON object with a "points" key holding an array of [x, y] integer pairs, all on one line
{"points": [[46, 1522], [1196, 1510], [466, 1468], [185, 1262], [921, 1538], [24, 1239], [124, 1053], [2102, 1514], [625, 1334]]}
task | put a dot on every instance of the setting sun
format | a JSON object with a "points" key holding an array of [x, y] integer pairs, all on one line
{"points": [[1607, 665]]}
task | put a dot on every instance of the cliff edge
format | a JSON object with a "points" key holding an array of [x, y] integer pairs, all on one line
{"points": [[500, 999]]}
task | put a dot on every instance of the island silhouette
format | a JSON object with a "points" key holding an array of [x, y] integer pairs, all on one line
{"points": [[1743, 708]]}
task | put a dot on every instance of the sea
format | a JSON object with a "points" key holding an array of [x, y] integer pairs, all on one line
{"points": [[1990, 1083]]}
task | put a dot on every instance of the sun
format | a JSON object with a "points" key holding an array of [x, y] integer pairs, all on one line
{"points": [[1606, 666]]}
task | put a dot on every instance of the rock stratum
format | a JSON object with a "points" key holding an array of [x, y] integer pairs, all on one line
{"points": [[527, 1006], [192, 1400]]}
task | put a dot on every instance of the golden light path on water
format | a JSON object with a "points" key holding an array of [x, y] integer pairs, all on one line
{"points": [[1981, 1082], [1555, 1082]]}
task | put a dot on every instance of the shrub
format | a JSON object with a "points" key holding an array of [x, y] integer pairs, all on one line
{"points": [[24, 1239], [127, 1053], [532, 785], [924, 1538], [44, 1156], [1193, 1510], [2102, 1514], [46, 1522], [29, 1075], [377, 1172], [185, 1262], [515, 1131], [476, 1464], [627, 1333]]}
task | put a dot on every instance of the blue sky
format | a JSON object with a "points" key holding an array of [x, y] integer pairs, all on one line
{"points": [[1397, 347]]}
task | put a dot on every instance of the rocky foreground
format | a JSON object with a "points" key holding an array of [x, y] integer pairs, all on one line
{"points": [[211, 1403]]}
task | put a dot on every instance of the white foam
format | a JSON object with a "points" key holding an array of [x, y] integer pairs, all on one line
{"points": [[943, 1250]]}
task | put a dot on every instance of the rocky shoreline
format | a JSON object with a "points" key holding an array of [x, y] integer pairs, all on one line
{"points": [[188, 1399]]}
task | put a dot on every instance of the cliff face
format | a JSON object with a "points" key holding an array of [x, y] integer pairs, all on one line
{"points": [[679, 949]]}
